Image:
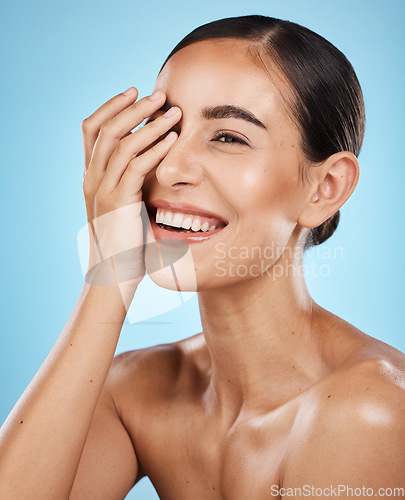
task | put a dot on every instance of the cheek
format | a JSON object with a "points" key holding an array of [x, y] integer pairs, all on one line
{"points": [[269, 189], [265, 196]]}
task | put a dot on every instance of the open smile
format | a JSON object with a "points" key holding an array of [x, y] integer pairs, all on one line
{"points": [[183, 221]]}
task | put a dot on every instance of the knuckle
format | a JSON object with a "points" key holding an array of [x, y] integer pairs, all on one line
{"points": [[103, 191], [88, 182], [88, 188], [155, 124], [100, 201], [158, 150], [127, 147], [142, 108], [86, 125], [132, 164], [121, 147], [98, 197], [137, 105], [108, 130], [104, 129], [159, 126]]}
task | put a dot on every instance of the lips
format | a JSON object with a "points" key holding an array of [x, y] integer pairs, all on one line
{"points": [[189, 212]]}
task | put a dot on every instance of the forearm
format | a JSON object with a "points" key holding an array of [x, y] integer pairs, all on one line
{"points": [[42, 439]]}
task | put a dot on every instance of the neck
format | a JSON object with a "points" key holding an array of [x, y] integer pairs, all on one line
{"points": [[261, 340]]}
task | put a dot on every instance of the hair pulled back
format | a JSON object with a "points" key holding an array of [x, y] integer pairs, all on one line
{"points": [[327, 105]]}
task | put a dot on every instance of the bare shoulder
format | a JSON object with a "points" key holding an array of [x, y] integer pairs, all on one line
{"points": [[350, 427], [362, 367], [367, 389], [148, 373]]}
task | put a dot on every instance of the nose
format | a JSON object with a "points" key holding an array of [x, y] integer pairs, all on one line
{"points": [[181, 166]]}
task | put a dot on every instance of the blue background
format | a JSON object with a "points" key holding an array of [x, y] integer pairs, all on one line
{"points": [[61, 60]]}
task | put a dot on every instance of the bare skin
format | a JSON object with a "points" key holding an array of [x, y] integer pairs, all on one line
{"points": [[165, 399], [275, 392]]}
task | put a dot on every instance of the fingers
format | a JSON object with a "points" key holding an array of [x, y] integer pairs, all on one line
{"points": [[91, 125], [133, 177], [129, 147], [114, 129]]}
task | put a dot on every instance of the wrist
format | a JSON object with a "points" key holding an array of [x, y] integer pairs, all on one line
{"points": [[117, 296]]}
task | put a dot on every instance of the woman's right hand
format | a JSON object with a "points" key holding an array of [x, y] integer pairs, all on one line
{"points": [[116, 163]]}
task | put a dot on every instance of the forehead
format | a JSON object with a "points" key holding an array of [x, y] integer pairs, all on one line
{"points": [[222, 71]]}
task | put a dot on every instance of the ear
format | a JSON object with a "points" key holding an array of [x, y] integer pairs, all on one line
{"points": [[334, 181]]}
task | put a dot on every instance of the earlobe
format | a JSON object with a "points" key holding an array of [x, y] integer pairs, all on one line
{"points": [[331, 187]]}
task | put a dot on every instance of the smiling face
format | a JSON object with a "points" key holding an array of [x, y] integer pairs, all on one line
{"points": [[236, 161]]}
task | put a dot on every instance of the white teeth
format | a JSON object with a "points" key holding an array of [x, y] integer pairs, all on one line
{"points": [[177, 220], [160, 216], [187, 222], [196, 225], [168, 218], [192, 223]]}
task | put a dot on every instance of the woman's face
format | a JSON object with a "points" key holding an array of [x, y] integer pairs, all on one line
{"points": [[242, 166]]}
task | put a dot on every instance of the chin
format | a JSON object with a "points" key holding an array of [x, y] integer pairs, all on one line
{"points": [[169, 264], [185, 275]]}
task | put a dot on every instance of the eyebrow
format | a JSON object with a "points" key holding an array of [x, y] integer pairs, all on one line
{"points": [[225, 111], [229, 111]]}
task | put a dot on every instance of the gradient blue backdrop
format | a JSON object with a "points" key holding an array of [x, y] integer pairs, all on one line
{"points": [[61, 60]]}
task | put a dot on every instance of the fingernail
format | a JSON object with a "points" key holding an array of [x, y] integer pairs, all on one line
{"points": [[171, 112], [130, 91], [155, 96], [171, 137]]}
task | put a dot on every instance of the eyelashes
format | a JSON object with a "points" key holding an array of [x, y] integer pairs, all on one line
{"points": [[224, 138], [229, 138]]}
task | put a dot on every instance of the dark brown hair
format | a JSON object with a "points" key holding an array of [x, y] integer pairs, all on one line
{"points": [[327, 102]]}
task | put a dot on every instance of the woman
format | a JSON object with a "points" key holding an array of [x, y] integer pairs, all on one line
{"points": [[249, 151]]}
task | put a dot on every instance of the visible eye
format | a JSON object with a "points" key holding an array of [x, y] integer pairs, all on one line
{"points": [[228, 138]]}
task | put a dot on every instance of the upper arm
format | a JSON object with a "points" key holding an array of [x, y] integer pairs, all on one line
{"points": [[108, 466], [355, 438]]}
